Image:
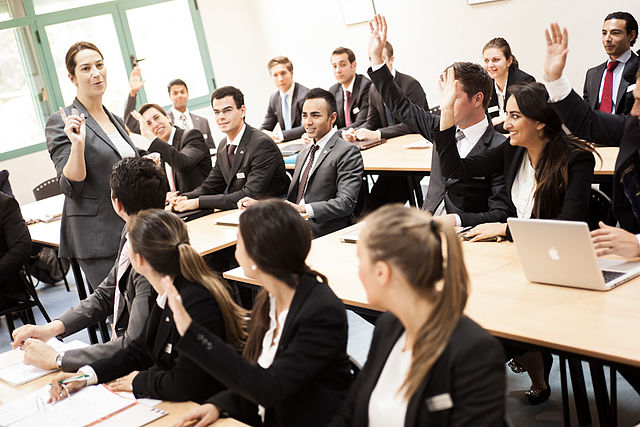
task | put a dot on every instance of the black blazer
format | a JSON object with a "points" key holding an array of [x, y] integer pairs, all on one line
{"points": [[470, 370], [476, 198], [165, 372], [377, 118], [258, 171], [309, 376], [624, 100], [15, 248], [515, 77], [274, 113], [359, 107], [606, 129], [188, 155], [508, 159]]}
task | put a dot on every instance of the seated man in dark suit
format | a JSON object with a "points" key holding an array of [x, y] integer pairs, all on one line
{"points": [[136, 184], [249, 164], [328, 172], [179, 113], [351, 92], [465, 202], [15, 250], [184, 154], [285, 105], [606, 87]]}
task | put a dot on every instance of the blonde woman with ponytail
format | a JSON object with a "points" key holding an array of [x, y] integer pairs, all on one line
{"points": [[429, 364], [152, 365]]}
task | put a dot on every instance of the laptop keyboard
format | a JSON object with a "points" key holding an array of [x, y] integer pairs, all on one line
{"points": [[611, 275]]}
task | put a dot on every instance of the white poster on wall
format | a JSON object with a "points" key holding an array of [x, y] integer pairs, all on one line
{"points": [[356, 11]]}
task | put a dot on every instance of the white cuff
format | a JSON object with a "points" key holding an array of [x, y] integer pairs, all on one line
{"points": [[88, 370], [309, 210], [458, 220], [558, 89], [379, 134], [376, 67]]}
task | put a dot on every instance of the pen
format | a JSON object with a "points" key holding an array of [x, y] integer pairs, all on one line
{"points": [[464, 229], [76, 378]]}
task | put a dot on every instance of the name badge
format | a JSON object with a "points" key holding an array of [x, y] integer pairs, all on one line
{"points": [[240, 175], [167, 348], [493, 109], [439, 402], [356, 110], [205, 136], [631, 88]]}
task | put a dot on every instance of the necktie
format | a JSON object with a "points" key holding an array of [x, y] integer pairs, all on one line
{"points": [[231, 153], [305, 175], [183, 121], [347, 107], [389, 116], [459, 135], [606, 103], [123, 264], [286, 114]]}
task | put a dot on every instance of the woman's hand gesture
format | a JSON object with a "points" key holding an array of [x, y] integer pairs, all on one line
{"points": [[74, 126]]}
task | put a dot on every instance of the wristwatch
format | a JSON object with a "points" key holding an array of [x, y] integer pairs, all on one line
{"points": [[59, 360]]}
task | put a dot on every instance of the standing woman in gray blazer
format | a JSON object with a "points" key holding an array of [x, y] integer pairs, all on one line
{"points": [[84, 141]]}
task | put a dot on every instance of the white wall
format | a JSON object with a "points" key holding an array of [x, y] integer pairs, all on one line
{"points": [[427, 35]]}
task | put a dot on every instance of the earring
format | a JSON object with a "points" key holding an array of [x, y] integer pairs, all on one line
{"points": [[254, 267]]}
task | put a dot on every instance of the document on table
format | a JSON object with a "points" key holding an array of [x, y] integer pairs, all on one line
{"points": [[15, 372], [232, 218], [421, 143], [93, 405], [45, 210]]}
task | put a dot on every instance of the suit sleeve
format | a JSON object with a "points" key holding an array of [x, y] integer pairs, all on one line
{"points": [[498, 205], [585, 89], [575, 206], [131, 123], [17, 239], [194, 149], [138, 314], [59, 148], [350, 169], [214, 183], [374, 122], [415, 94], [361, 117], [270, 118], [416, 118]]}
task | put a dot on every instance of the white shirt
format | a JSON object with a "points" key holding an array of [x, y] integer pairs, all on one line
{"points": [[289, 102], [121, 144], [176, 118], [238, 138], [501, 96], [167, 167], [271, 340], [617, 76], [388, 404], [321, 144], [523, 188]]}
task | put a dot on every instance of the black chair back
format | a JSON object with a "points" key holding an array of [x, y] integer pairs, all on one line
{"points": [[49, 188]]}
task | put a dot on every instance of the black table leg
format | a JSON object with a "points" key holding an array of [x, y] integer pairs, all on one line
{"points": [[566, 416]]}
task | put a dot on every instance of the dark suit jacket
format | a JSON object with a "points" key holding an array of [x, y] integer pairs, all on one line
{"points": [[15, 248], [333, 184], [188, 156], [274, 113], [470, 370], [90, 227], [359, 108], [309, 377], [515, 77], [606, 129], [624, 100], [377, 118], [135, 296], [508, 159], [165, 372], [258, 171], [476, 198]]}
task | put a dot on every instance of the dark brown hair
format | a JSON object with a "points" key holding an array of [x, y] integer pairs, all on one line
{"points": [[145, 107], [280, 60], [474, 79], [70, 57], [503, 45], [224, 91], [427, 254], [340, 50], [162, 239], [278, 240]]}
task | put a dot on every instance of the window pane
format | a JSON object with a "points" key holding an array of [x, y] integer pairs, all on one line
{"points": [[47, 6], [10, 9], [159, 51], [18, 107], [100, 31]]}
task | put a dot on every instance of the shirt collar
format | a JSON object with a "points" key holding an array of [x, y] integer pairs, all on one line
{"points": [[622, 58], [161, 300], [238, 138], [272, 315], [289, 92], [323, 141], [173, 133], [176, 113], [350, 88], [474, 132]]}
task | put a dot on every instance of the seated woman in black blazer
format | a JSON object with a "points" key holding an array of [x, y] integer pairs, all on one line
{"points": [[502, 66], [429, 364], [160, 251], [547, 175], [295, 370]]}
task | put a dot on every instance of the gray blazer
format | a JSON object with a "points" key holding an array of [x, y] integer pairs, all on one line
{"points": [[90, 227], [333, 185], [135, 296]]}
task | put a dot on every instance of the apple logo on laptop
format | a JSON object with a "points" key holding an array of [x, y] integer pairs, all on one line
{"points": [[553, 254]]}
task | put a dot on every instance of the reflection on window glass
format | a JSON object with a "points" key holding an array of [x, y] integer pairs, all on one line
{"points": [[160, 66], [47, 6], [10, 9], [100, 31], [18, 108]]}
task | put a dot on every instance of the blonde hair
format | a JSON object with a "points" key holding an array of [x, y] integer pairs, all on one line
{"points": [[162, 239], [412, 242]]}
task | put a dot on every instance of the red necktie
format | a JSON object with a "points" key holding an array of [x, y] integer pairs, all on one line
{"points": [[606, 103], [305, 175], [347, 105]]}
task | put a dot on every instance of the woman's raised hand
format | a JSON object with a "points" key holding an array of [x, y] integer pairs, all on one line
{"points": [[74, 126]]}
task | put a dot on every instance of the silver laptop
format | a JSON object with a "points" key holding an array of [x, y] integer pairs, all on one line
{"points": [[561, 253]]}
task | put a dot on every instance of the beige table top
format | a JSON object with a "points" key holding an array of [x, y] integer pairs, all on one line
{"points": [[591, 323]]}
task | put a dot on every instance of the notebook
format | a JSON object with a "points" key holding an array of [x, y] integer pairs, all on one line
{"points": [[368, 143], [561, 253]]}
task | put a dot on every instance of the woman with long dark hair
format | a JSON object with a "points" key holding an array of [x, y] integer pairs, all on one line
{"points": [[294, 369], [429, 364], [160, 251]]}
